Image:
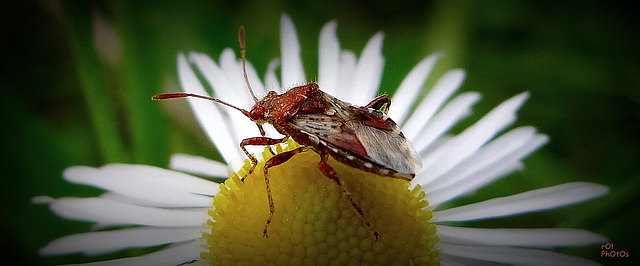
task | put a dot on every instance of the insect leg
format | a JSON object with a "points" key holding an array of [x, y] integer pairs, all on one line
{"points": [[382, 101], [263, 134], [275, 161], [328, 171], [257, 141]]}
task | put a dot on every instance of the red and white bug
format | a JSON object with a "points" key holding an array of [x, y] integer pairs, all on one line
{"points": [[361, 137]]}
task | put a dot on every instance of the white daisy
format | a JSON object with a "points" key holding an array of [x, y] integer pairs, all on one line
{"points": [[313, 222]]}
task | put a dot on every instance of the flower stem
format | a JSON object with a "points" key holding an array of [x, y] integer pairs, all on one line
{"points": [[90, 75]]}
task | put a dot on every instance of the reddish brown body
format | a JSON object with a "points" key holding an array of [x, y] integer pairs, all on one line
{"points": [[361, 137]]}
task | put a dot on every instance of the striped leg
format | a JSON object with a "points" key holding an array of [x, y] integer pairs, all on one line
{"points": [[275, 161], [328, 171]]}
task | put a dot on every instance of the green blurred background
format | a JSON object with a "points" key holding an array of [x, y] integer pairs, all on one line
{"points": [[70, 100]]}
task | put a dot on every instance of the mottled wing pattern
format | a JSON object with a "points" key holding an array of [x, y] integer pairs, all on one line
{"points": [[330, 131], [363, 132], [390, 150]]}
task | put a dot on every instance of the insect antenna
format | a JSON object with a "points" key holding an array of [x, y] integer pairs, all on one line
{"points": [[175, 95], [243, 47]]}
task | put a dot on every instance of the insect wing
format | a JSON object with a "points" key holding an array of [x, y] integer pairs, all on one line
{"points": [[388, 147], [330, 131], [363, 132]]}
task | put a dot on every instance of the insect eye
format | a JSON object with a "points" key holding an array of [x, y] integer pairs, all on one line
{"points": [[256, 113]]}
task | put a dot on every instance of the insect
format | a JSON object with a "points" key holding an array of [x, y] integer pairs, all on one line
{"points": [[361, 137]]}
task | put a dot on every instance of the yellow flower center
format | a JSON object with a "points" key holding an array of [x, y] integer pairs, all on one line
{"points": [[314, 223]]}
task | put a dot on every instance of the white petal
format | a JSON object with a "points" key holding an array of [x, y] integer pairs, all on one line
{"points": [[271, 80], [198, 165], [256, 84], [245, 128], [229, 85], [469, 141], [42, 200], [457, 261], [452, 113], [480, 178], [226, 86], [98, 243], [292, 69], [535, 200], [537, 238], [207, 113], [345, 76], [368, 72], [172, 255], [233, 90], [172, 189], [493, 171], [445, 87], [486, 156], [328, 58], [108, 213], [140, 201], [232, 67], [514, 256], [488, 174], [410, 87]]}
